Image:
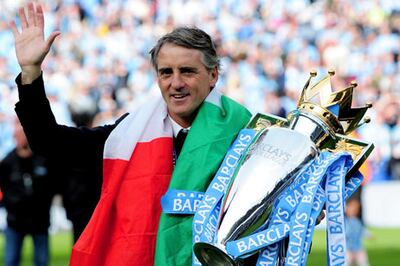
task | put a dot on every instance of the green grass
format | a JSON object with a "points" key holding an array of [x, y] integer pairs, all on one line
{"points": [[383, 246], [60, 248]]}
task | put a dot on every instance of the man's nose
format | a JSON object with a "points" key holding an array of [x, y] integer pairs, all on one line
{"points": [[177, 81]]}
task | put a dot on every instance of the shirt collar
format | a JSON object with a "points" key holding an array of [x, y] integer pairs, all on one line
{"points": [[176, 127]]}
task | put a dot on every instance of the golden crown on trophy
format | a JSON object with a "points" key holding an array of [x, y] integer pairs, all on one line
{"points": [[334, 108], [333, 113]]}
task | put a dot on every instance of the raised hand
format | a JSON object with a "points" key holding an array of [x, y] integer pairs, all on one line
{"points": [[30, 46]]}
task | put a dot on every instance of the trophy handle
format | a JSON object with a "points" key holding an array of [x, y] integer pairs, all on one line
{"points": [[359, 150], [261, 121]]}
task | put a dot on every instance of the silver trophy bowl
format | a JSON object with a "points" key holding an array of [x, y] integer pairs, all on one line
{"points": [[271, 163], [281, 150]]}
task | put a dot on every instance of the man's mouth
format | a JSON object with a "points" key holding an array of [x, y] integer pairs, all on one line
{"points": [[180, 96]]}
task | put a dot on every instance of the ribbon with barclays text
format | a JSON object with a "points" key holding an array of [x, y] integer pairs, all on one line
{"points": [[294, 215], [206, 218], [297, 210]]}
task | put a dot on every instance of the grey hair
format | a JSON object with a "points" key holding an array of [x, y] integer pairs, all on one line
{"points": [[192, 38]]}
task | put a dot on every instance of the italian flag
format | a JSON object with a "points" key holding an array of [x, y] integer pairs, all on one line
{"points": [[128, 226]]}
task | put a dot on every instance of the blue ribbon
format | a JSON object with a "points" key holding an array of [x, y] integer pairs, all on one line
{"points": [[206, 218], [181, 201], [299, 206], [294, 214], [257, 241], [336, 238]]}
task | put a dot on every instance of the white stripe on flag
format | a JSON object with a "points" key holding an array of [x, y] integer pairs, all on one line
{"points": [[142, 125], [214, 97]]}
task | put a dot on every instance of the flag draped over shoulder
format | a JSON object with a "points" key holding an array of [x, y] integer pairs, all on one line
{"points": [[137, 169]]}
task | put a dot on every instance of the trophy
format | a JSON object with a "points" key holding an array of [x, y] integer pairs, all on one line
{"points": [[280, 151]]}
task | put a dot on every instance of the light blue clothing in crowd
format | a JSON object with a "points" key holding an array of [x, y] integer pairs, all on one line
{"points": [[355, 231]]}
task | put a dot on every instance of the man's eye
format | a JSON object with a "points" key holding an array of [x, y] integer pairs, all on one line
{"points": [[165, 72], [187, 70]]}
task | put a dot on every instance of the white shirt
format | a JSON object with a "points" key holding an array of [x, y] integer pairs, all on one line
{"points": [[176, 127]]}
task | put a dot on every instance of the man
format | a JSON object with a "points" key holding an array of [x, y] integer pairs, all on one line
{"points": [[28, 191], [137, 153]]}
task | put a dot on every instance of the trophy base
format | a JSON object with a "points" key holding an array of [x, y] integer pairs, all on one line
{"points": [[211, 255]]}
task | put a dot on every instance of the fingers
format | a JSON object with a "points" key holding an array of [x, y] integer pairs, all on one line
{"points": [[39, 16], [31, 14], [51, 39], [24, 23], [35, 17], [14, 29]]}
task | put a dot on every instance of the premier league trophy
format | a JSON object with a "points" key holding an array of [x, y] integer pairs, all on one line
{"points": [[280, 151]]}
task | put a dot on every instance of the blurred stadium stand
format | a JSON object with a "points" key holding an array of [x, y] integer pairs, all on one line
{"points": [[99, 67]]}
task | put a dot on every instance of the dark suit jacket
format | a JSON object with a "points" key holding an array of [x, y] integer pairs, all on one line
{"points": [[77, 152]]}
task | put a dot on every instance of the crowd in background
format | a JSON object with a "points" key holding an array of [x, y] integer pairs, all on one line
{"points": [[99, 67]]}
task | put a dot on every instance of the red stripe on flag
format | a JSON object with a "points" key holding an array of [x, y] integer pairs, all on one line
{"points": [[123, 228]]}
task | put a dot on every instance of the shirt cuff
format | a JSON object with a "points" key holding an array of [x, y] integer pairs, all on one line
{"points": [[35, 90]]}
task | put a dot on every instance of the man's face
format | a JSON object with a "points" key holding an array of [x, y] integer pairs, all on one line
{"points": [[184, 81]]}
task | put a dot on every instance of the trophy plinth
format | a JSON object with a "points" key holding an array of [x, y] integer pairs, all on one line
{"points": [[209, 254]]}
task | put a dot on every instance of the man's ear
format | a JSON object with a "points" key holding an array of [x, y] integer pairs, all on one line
{"points": [[213, 77]]}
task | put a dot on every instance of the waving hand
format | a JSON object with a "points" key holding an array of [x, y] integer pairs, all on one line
{"points": [[30, 46]]}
